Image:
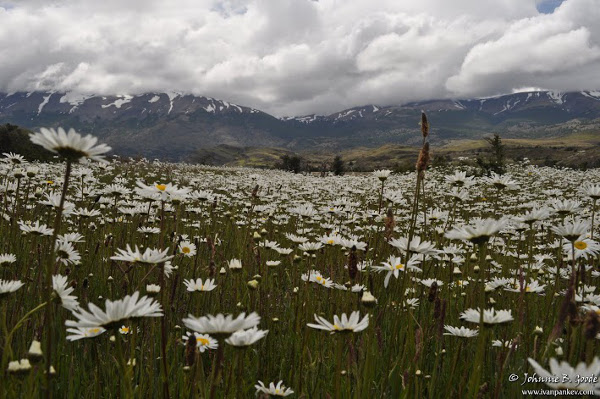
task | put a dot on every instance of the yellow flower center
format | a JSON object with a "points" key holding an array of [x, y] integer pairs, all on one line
{"points": [[527, 289], [330, 242], [49, 182], [399, 266], [186, 250], [94, 330], [124, 330], [336, 327], [581, 245], [161, 187], [202, 341]]}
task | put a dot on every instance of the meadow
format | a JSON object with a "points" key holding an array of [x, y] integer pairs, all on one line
{"points": [[142, 279]]}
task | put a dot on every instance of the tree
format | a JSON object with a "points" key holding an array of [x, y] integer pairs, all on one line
{"points": [[496, 162], [338, 166], [16, 139], [292, 163]]}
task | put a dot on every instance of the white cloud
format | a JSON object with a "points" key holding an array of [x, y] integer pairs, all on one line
{"points": [[294, 57]]}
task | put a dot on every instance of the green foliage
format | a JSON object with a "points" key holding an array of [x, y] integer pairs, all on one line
{"points": [[16, 139], [495, 162], [338, 166], [292, 163]]}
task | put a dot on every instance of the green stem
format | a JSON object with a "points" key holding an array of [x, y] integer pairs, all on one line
{"points": [[7, 348]]}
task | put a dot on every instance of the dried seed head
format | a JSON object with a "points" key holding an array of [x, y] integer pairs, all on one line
{"points": [[389, 224], [352, 263], [441, 319], [418, 344], [563, 313], [432, 292], [190, 350], [424, 125], [424, 158], [592, 325]]}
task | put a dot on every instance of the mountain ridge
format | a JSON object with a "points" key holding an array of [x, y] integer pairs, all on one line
{"points": [[173, 125]]}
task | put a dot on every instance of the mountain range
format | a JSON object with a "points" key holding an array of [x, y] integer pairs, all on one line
{"points": [[174, 126]]}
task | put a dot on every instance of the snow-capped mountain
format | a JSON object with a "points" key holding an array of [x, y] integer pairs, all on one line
{"points": [[576, 104], [172, 125], [37, 104]]}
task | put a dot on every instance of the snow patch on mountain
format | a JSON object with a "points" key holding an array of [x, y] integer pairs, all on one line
{"points": [[74, 99], [154, 99], [459, 105], [556, 96], [124, 99], [481, 103], [592, 94], [172, 96], [46, 99]]}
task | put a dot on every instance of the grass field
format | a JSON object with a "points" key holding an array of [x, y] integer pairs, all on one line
{"points": [[414, 254]]}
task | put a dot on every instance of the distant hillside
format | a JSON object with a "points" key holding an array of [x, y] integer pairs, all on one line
{"points": [[578, 150], [176, 126], [15, 139]]}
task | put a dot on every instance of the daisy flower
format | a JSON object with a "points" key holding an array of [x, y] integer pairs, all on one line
{"points": [[150, 256], [130, 307], [490, 316], [187, 248], [532, 287], [71, 146], [7, 259], [13, 158], [382, 174], [203, 341], [479, 232], [71, 237], [343, 324], [460, 332], [310, 246], [592, 191], [584, 248], [221, 324], [66, 253], [235, 264], [148, 230], [198, 285], [35, 228], [394, 266], [243, 338], [571, 230], [502, 182], [554, 379], [416, 246], [459, 179], [160, 191], [63, 290], [272, 389], [84, 332], [8, 286]]}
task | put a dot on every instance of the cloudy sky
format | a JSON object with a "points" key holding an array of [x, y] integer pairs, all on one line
{"points": [[295, 57]]}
